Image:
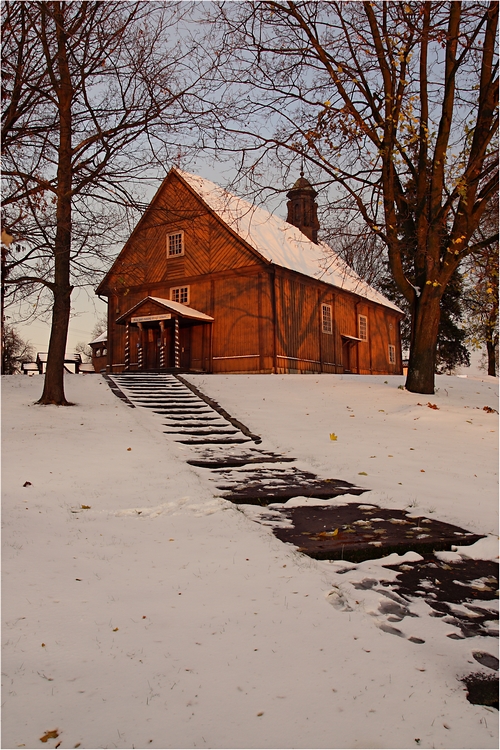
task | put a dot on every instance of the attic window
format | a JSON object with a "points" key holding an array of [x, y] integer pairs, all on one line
{"points": [[180, 294], [326, 319], [392, 354], [175, 244], [363, 327]]}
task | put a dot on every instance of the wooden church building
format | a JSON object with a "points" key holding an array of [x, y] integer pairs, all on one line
{"points": [[210, 283]]}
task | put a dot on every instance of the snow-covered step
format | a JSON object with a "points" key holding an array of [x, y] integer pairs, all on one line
{"points": [[189, 418]]}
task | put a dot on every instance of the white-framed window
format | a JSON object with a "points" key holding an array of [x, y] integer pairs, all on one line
{"points": [[180, 294], [175, 244], [392, 354], [326, 319], [363, 327]]}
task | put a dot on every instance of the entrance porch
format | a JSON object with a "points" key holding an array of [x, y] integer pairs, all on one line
{"points": [[159, 337]]}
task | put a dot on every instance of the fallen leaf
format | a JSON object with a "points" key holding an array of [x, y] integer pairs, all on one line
{"points": [[261, 713], [129, 449], [49, 735], [362, 473], [422, 471], [86, 507], [487, 409], [114, 630], [28, 484], [432, 406], [333, 436]]}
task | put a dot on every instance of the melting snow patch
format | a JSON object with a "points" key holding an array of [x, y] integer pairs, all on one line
{"points": [[395, 559], [483, 549]]}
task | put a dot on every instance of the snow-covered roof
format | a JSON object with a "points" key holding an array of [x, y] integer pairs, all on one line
{"points": [[168, 304], [184, 310], [68, 357], [102, 337], [280, 242]]}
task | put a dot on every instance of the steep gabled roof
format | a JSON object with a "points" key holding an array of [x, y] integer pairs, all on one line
{"points": [[273, 239], [279, 242]]}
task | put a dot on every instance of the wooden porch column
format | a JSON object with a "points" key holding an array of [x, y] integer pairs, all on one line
{"points": [[211, 350], [127, 346], [177, 344], [140, 349], [162, 344]]}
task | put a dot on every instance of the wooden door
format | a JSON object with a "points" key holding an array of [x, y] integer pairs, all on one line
{"points": [[152, 354], [346, 355], [185, 343], [168, 347]]}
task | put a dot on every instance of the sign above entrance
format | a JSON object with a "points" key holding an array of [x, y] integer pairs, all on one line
{"points": [[146, 318]]}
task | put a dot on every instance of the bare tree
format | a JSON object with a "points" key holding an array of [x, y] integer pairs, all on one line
{"points": [[15, 351], [392, 103], [481, 296], [86, 82]]}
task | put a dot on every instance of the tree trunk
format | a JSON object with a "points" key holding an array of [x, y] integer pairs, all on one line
{"points": [[492, 364], [422, 364], [53, 391]]}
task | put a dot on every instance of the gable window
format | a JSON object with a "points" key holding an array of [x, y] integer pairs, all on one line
{"points": [[175, 244], [326, 319], [363, 327], [392, 354], [180, 294]]}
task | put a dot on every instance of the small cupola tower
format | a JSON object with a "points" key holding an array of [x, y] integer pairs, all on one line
{"points": [[302, 208]]}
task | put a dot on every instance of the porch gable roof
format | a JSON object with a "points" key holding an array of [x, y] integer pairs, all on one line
{"points": [[174, 307]]}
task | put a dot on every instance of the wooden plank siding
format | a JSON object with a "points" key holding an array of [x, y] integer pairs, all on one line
{"points": [[266, 318]]}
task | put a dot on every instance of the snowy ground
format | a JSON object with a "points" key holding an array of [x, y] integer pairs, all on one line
{"points": [[162, 616]]}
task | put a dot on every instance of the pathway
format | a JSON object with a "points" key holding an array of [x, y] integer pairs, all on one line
{"points": [[461, 592]]}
